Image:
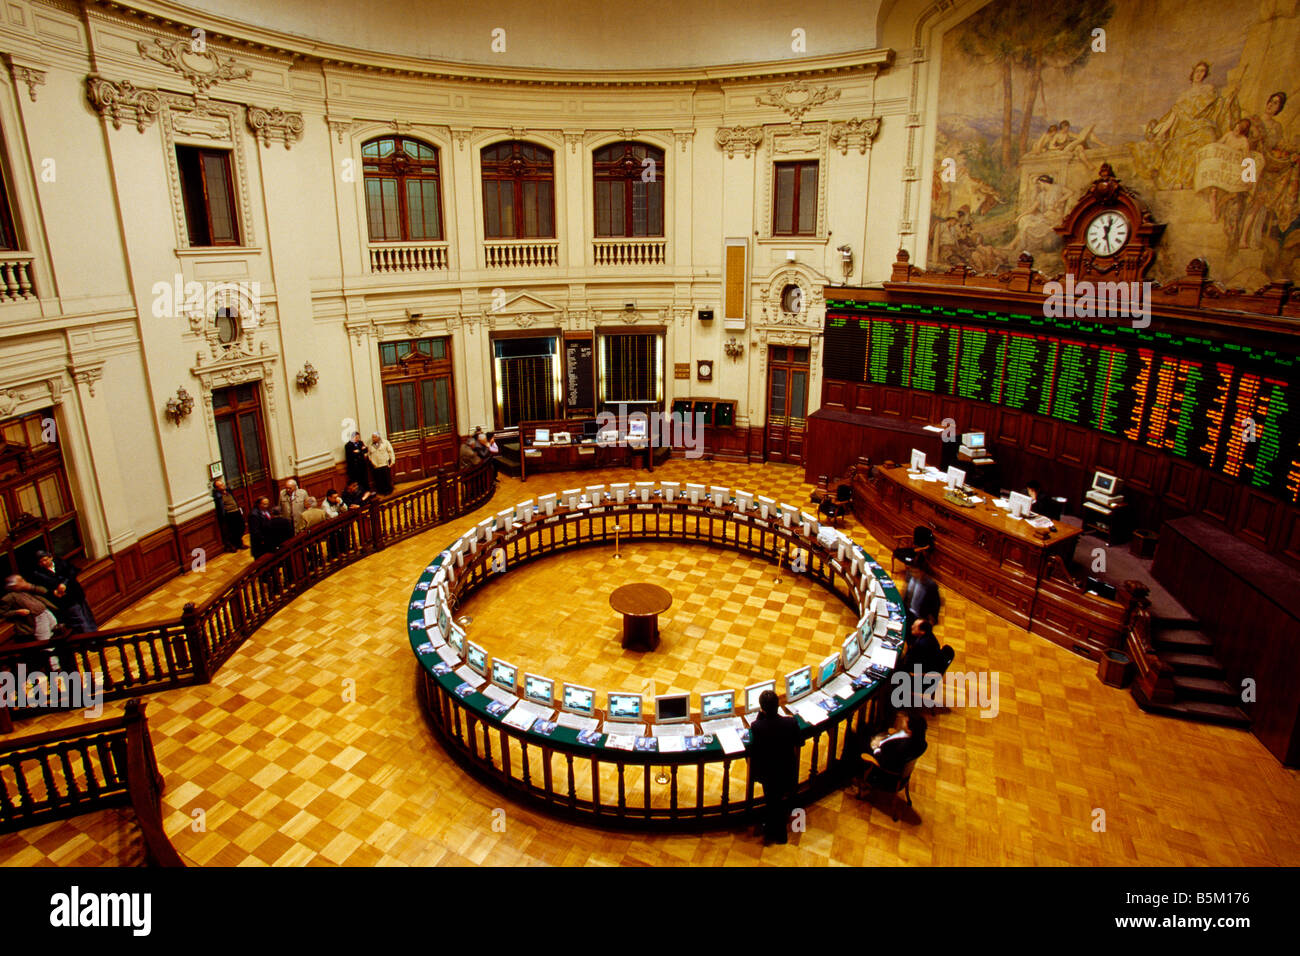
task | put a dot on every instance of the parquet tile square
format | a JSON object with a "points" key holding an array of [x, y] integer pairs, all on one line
{"points": [[289, 771]]}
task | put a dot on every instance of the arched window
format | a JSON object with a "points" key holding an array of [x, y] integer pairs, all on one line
{"points": [[629, 188], [518, 191], [403, 198]]}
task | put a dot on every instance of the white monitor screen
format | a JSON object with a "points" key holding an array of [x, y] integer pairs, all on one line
{"points": [[456, 637], [524, 510], [547, 504], [506, 675], [571, 496], [636, 426], [956, 479], [1104, 483], [623, 706], [542, 435], [852, 650], [798, 683], [754, 691], [670, 489], [579, 700], [720, 703], [476, 657], [694, 492], [828, 669], [973, 439], [539, 689], [672, 708], [1020, 504], [918, 460]]}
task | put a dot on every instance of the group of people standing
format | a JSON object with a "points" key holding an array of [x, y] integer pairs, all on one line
{"points": [[50, 602], [478, 447], [370, 466]]}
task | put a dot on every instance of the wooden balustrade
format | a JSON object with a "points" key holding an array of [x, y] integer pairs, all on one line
{"points": [[408, 257], [706, 788], [629, 252], [143, 658], [65, 773], [520, 254]]}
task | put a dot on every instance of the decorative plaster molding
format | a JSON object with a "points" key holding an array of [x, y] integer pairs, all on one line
{"points": [[627, 132], [854, 132], [683, 136], [747, 138], [574, 139], [87, 375], [202, 69], [32, 77], [460, 135], [275, 124], [340, 126], [812, 297], [797, 98], [9, 400], [123, 100]]}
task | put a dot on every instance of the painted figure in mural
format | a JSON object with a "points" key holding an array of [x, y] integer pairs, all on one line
{"points": [[1219, 176], [1274, 203], [1167, 156], [1036, 226]]}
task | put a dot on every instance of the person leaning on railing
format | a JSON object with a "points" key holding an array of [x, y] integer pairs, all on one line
{"points": [[469, 456], [382, 458]]}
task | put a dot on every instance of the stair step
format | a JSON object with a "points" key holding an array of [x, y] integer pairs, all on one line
{"points": [[1181, 639], [1203, 689], [1202, 712], [1194, 665]]}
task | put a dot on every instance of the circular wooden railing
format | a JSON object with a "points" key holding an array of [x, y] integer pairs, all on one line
{"points": [[595, 784]]}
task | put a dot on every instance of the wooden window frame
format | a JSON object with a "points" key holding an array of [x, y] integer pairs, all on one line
{"points": [[627, 169], [395, 166], [227, 159], [798, 166], [544, 172]]}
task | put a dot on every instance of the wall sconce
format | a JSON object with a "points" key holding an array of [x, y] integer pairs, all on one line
{"points": [[179, 408], [733, 348], [308, 378], [846, 261]]}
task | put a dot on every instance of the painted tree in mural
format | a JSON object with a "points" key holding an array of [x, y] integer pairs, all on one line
{"points": [[1030, 36]]}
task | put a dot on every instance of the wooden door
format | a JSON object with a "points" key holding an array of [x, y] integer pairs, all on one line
{"points": [[241, 435], [787, 403]]}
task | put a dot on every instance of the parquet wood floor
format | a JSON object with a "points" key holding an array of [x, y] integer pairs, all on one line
{"points": [[309, 749]]}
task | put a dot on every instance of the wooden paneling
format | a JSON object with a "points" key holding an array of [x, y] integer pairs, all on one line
{"points": [[1220, 498], [1181, 485], [1041, 436], [1257, 518], [891, 401], [833, 395]]}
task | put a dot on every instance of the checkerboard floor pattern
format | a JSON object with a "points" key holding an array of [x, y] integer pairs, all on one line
{"points": [[308, 748]]}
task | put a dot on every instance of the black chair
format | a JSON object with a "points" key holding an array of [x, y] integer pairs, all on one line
{"points": [[887, 781], [835, 508], [918, 548]]}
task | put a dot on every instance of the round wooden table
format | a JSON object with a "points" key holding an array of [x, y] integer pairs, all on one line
{"points": [[640, 605]]}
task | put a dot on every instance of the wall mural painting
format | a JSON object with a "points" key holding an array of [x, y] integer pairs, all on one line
{"points": [[1196, 106]]}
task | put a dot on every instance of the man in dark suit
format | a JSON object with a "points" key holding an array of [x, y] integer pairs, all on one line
{"points": [[894, 751], [920, 596], [923, 649], [265, 529], [59, 577], [774, 762], [230, 517]]}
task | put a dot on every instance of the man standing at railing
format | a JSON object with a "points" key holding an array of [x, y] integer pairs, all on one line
{"points": [[59, 577], [230, 517], [382, 457], [469, 457], [293, 502]]}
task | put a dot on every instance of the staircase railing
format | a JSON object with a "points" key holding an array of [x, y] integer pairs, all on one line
{"points": [[1155, 678]]}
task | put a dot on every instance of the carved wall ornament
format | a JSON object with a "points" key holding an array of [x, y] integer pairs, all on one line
{"points": [[87, 375], [683, 137], [627, 132], [9, 400], [460, 135], [275, 125], [32, 77], [340, 126], [810, 300], [574, 139], [203, 69], [797, 98], [123, 101], [854, 132], [746, 138], [202, 126]]}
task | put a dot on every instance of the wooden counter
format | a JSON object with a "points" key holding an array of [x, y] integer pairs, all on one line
{"points": [[1001, 564]]}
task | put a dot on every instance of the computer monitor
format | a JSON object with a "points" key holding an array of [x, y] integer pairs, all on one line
{"points": [[827, 670], [596, 493], [973, 440], [541, 436], [444, 617], [626, 707], [1100, 588], [577, 699], [810, 523], [643, 489], [1106, 484], [619, 490], [718, 703], [956, 479], [788, 514], [506, 519], [719, 495], [589, 429], [798, 683], [754, 691], [546, 503], [470, 537], [765, 505], [671, 489], [636, 427], [672, 708], [456, 637], [486, 527], [918, 461], [540, 690], [524, 511], [1021, 504], [851, 649], [570, 496], [744, 501], [694, 492], [505, 675], [476, 657]]}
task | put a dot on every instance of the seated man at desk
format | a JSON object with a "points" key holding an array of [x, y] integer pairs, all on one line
{"points": [[892, 752], [1033, 489], [923, 649]]}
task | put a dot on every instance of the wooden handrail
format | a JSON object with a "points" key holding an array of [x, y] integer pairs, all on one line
{"points": [[145, 786]]}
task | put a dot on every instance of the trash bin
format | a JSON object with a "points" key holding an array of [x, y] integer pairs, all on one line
{"points": [[1144, 543], [1114, 669]]}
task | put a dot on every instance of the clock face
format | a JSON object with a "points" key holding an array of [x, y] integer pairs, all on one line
{"points": [[1107, 233], [705, 371]]}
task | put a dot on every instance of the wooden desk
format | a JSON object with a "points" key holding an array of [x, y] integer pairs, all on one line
{"points": [[837, 438], [999, 563], [640, 605]]}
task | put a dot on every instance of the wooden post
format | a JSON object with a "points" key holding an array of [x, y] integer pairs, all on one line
{"points": [[376, 538], [194, 638]]}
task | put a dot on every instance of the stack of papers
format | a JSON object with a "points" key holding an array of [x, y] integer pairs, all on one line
{"points": [[730, 741], [620, 741]]}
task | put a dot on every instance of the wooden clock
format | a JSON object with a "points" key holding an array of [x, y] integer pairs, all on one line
{"points": [[704, 371], [1109, 234]]}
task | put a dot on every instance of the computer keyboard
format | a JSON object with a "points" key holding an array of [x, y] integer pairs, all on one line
{"points": [[469, 675], [576, 721], [840, 687], [722, 723], [674, 730], [537, 710], [623, 728], [498, 694]]}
